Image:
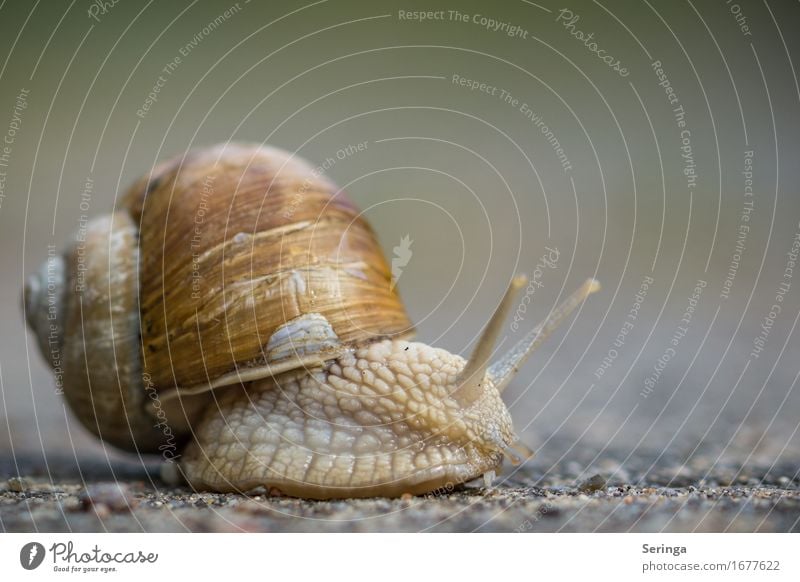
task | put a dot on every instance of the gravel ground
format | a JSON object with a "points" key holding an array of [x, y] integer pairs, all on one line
{"points": [[647, 494]]}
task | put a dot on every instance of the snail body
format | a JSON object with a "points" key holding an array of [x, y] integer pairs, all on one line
{"points": [[369, 426], [238, 307]]}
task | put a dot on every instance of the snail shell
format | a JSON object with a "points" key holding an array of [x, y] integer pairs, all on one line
{"points": [[236, 241], [238, 297]]}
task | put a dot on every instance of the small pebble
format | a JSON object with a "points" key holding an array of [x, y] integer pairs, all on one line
{"points": [[250, 506], [18, 484], [102, 510], [592, 484], [114, 496]]}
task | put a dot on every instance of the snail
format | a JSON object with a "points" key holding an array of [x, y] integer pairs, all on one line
{"points": [[236, 314]]}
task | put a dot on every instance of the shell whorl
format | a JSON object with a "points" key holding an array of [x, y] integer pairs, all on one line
{"points": [[45, 298], [82, 308]]}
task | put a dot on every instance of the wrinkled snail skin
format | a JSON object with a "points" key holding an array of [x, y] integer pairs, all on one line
{"points": [[379, 420], [237, 309]]}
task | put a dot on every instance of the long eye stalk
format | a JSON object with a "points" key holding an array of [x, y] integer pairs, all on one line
{"points": [[503, 371], [472, 376]]}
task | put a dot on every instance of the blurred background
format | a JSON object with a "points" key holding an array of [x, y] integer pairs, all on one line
{"points": [[651, 145]]}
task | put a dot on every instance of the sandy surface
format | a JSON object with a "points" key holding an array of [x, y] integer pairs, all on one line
{"points": [[583, 494]]}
